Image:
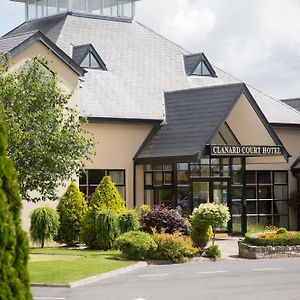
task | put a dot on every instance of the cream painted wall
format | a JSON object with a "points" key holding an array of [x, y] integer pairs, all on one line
{"points": [[116, 145], [67, 80]]}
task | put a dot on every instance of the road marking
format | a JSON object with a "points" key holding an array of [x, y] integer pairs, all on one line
{"points": [[213, 272], [267, 269], [153, 275], [48, 298], [139, 299]]}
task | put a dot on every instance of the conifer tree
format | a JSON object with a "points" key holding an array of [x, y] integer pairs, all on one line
{"points": [[71, 208], [14, 251], [107, 196]]}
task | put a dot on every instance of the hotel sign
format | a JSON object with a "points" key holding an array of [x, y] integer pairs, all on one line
{"points": [[245, 150]]}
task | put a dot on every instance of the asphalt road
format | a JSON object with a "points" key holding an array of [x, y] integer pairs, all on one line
{"points": [[224, 279]]}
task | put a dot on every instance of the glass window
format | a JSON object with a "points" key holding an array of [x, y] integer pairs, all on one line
{"points": [[94, 6], [250, 177], [195, 170], [78, 5], [236, 207], [264, 192], [52, 7], [237, 193], [264, 177], [148, 178], [281, 192], [158, 167], [281, 221], [86, 62], [251, 207], [165, 196], [280, 208], [118, 177], [148, 167], [149, 197], [183, 200], [183, 166], [182, 177], [110, 8], [202, 70], [95, 176], [121, 190], [158, 178], [251, 192], [31, 10], [62, 5], [280, 178], [41, 6], [125, 8], [265, 207], [94, 63], [204, 171], [167, 178], [83, 178], [168, 167]]}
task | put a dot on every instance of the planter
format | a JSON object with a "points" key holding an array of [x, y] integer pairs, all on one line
{"points": [[258, 252]]}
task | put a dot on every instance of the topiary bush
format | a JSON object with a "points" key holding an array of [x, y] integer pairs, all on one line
{"points": [[107, 196], [106, 229], [175, 247], [44, 225], [14, 250], [87, 231], [208, 214], [71, 209], [213, 252], [136, 245], [128, 221], [163, 219]]}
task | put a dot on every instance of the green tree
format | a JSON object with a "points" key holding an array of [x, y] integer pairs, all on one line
{"points": [[107, 196], [14, 251], [46, 137], [43, 225], [71, 209]]}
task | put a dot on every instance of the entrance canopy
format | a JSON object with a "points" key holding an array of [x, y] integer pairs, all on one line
{"points": [[200, 120]]}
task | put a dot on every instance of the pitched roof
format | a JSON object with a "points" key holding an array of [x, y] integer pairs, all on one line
{"points": [[293, 102], [142, 65], [192, 119]]}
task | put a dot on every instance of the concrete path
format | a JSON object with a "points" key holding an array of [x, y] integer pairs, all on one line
{"points": [[228, 246]]}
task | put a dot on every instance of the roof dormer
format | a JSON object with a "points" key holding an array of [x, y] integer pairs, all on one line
{"points": [[197, 64], [87, 57]]}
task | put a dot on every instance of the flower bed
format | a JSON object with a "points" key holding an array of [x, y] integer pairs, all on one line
{"points": [[270, 244]]}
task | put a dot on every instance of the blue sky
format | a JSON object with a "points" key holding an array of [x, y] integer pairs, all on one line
{"points": [[256, 41]]}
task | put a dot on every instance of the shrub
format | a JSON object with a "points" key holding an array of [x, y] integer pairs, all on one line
{"points": [[163, 219], [213, 252], [208, 214], [106, 229], [273, 239], [282, 231], [136, 245], [14, 250], [107, 196], [175, 247], [128, 221], [44, 224], [87, 231], [71, 208], [144, 209]]}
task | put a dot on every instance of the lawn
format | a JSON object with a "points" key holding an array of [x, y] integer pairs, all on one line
{"points": [[63, 266]]}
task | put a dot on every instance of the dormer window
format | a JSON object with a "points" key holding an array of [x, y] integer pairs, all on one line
{"points": [[87, 57], [198, 65]]}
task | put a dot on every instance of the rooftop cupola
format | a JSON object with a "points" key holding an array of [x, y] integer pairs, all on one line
{"points": [[113, 8]]}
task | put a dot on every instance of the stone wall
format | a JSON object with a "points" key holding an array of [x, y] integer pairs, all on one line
{"points": [[258, 252]]}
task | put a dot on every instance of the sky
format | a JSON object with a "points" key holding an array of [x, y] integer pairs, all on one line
{"points": [[257, 41]]}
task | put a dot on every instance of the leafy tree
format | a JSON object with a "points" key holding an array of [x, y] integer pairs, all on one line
{"points": [[71, 208], [44, 225], [107, 196], [14, 251], [46, 137], [128, 221]]}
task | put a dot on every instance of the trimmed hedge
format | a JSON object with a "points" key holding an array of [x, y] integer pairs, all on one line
{"points": [[280, 240]]}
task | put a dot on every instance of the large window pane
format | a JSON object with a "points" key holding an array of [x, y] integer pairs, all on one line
{"points": [[117, 177], [165, 196], [121, 190], [237, 193], [52, 7], [125, 9], [236, 207], [264, 177], [62, 5], [79, 5], [250, 177], [95, 176], [149, 197], [281, 221], [158, 178], [280, 178], [251, 207], [31, 10], [265, 207], [110, 8], [251, 192], [167, 178], [281, 192], [183, 200], [94, 6], [264, 192], [195, 170], [148, 179], [280, 207]]}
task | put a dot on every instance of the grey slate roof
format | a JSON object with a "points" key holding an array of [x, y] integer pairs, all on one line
{"points": [[192, 118], [295, 167], [141, 66], [293, 102]]}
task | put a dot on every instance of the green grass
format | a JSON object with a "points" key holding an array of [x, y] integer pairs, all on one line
{"points": [[62, 266]]}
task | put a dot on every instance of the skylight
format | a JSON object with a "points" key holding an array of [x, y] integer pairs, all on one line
{"points": [[197, 64]]}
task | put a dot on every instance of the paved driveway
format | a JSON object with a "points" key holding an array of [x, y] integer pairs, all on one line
{"points": [[225, 279]]}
